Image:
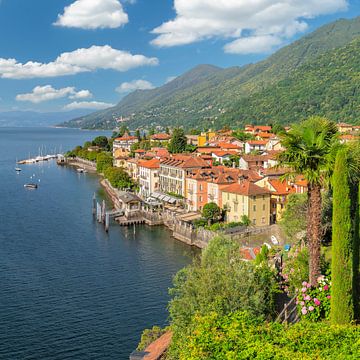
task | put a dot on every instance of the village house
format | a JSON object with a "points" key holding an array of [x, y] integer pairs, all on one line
{"points": [[279, 194], [221, 155], [132, 168], [174, 170], [344, 128], [205, 137], [255, 145], [253, 162], [124, 142], [161, 137], [246, 198], [120, 156], [256, 129], [149, 177]]}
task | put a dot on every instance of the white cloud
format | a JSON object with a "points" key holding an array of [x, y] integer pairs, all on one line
{"points": [[275, 20], [46, 93], [82, 94], [93, 14], [78, 61], [95, 105], [134, 85], [253, 44]]}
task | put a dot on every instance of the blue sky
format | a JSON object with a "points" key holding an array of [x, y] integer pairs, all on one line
{"points": [[69, 54]]}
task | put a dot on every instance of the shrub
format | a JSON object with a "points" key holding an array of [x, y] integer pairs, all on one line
{"points": [[150, 335], [242, 336], [103, 161], [222, 282], [314, 302]]}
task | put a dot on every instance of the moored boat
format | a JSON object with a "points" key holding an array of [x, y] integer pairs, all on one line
{"points": [[31, 186]]}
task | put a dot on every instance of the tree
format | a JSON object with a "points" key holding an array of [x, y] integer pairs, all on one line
{"points": [[103, 161], [151, 131], [211, 212], [342, 307], [178, 141], [278, 128], [310, 150], [167, 130], [137, 134], [119, 178], [222, 282], [101, 141]]}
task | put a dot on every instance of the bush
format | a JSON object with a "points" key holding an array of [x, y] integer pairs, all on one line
{"points": [[314, 302], [118, 178], [103, 161], [240, 335], [222, 282], [150, 335]]}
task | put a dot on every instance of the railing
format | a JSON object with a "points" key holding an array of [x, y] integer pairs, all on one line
{"points": [[289, 314]]}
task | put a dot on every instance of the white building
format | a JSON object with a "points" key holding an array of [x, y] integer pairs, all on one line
{"points": [[149, 176]]}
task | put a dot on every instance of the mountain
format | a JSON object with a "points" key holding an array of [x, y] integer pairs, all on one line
{"points": [[33, 118], [210, 96]]}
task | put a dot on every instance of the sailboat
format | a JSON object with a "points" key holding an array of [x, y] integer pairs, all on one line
{"points": [[17, 169]]}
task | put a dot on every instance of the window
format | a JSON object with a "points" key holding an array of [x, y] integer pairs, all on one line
{"points": [[200, 198], [201, 187], [235, 207], [263, 220], [264, 207], [254, 221], [254, 207], [228, 196]]}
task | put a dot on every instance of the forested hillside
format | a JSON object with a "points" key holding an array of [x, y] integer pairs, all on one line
{"points": [[262, 92]]}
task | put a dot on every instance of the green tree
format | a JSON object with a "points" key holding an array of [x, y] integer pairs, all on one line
{"points": [[101, 141], [119, 178], [151, 131], [178, 141], [211, 212], [167, 130], [342, 307], [103, 161], [310, 151], [222, 282], [137, 134]]}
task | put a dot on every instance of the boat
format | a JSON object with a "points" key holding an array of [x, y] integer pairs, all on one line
{"points": [[31, 186], [81, 170], [17, 169]]}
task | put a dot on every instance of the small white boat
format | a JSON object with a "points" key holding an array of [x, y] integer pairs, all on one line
{"points": [[31, 186], [81, 170], [17, 169]]}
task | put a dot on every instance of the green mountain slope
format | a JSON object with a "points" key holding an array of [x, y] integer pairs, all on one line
{"points": [[210, 96], [328, 86]]}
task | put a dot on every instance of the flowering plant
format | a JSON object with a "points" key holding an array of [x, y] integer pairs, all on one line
{"points": [[313, 303]]}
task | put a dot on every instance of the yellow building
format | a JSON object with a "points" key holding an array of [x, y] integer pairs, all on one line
{"points": [[205, 137], [247, 199]]}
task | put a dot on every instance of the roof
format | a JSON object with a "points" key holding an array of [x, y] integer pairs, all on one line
{"points": [[160, 136], [127, 197], [185, 162], [126, 138], [246, 188], [265, 135], [225, 145], [281, 187], [140, 151], [262, 127], [150, 164], [221, 153], [343, 125], [257, 142], [248, 253], [250, 157]]}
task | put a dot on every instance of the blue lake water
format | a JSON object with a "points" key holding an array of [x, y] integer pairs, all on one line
{"points": [[68, 290]]}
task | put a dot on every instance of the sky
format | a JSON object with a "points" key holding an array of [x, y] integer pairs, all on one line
{"points": [[60, 55]]}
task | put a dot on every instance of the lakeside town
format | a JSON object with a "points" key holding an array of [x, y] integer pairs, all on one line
{"points": [[235, 174]]}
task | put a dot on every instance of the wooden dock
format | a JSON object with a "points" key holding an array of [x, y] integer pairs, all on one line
{"points": [[123, 221]]}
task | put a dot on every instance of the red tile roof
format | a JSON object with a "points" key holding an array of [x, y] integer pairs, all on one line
{"points": [[257, 142], [160, 136], [126, 138], [150, 164], [281, 187], [246, 188]]}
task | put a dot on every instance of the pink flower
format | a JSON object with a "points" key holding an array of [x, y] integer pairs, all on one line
{"points": [[316, 302], [308, 285], [307, 297], [304, 283], [303, 289], [311, 308], [329, 297], [304, 311], [302, 303], [326, 287]]}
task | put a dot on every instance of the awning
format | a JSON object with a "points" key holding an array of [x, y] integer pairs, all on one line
{"points": [[172, 201]]}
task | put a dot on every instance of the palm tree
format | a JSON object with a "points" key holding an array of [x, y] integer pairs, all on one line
{"points": [[311, 148]]}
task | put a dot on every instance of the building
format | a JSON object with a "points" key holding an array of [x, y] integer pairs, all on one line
{"points": [[130, 203], [256, 129], [125, 142], [222, 155], [279, 194], [161, 137], [255, 145], [253, 162], [173, 172], [132, 168], [246, 198], [205, 137], [120, 155], [344, 128], [149, 177]]}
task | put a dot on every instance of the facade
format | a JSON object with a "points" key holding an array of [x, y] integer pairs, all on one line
{"points": [[246, 198], [174, 170], [251, 162], [255, 145], [149, 176], [124, 142]]}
